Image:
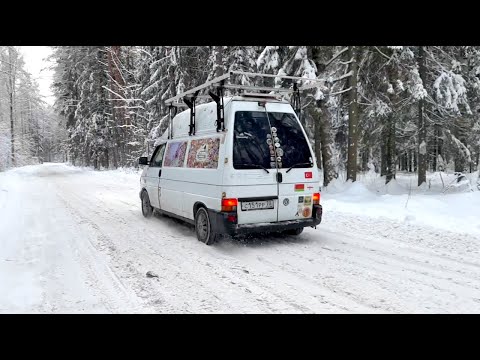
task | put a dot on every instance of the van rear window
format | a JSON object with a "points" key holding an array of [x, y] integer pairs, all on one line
{"points": [[269, 141]]}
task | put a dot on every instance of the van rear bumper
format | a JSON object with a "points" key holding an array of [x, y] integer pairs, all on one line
{"points": [[220, 225]]}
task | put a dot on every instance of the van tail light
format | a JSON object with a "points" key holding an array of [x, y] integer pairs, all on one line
{"points": [[316, 198], [229, 205]]}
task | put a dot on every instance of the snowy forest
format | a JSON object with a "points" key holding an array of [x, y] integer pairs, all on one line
{"points": [[30, 131], [390, 225], [384, 108]]}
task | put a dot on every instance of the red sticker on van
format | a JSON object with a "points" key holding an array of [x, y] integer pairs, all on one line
{"points": [[308, 175], [299, 187]]}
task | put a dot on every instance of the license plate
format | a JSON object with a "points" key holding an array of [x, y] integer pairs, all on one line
{"points": [[257, 205]]}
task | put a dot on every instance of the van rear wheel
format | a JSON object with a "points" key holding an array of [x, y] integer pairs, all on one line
{"points": [[203, 227], [147, 209]]}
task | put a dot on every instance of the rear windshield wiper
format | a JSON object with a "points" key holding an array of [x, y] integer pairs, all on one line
{"points": [[298, 165], [253, 165]]}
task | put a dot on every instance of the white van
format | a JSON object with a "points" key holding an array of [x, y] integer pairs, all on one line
{"points": [[258, 174]]}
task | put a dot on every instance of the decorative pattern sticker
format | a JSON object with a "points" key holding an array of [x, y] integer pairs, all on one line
{"points": [[308, 200], [304, 207], [203, 153], [175, 156]]}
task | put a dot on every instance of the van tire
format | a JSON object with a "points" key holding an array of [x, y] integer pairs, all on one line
{"points": [[203, 227], [295, 232], [147, 209]]}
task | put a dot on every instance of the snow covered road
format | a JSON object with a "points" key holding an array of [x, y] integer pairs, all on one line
{"points": [[74, 240]]}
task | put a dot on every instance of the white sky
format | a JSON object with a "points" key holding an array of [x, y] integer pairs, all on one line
{"points": [[37, 65]]}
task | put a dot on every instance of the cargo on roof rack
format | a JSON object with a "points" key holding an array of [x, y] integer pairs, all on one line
{"points": [[218, 85]]}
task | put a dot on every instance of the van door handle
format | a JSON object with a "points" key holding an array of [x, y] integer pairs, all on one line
{"points": [[159, 172], [279, 177]]}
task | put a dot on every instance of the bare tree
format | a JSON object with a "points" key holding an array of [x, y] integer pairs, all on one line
{"points": [[352, 114], [10, 84], [422, 125]]}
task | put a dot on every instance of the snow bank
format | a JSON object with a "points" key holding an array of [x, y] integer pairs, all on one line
{"points": [[50, 170], [442, 202], [394, 188], [349, 191], [459, 212]]}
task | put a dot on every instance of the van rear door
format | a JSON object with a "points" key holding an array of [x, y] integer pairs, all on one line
{"points": [[253, 178], [298, 177], [274, 165]]}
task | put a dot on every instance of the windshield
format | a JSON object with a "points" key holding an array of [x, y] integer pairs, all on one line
{"points": [[276, 140]]}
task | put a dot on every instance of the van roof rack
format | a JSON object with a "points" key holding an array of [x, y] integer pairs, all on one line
{"points": [[219, 83], [261, 95]]}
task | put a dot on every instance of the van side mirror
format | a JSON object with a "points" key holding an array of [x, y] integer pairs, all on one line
{"points": [[143, 160]]}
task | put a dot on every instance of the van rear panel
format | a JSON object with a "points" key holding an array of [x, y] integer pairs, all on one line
{"points": [[256, 203], [265, 141], [296, 194]]}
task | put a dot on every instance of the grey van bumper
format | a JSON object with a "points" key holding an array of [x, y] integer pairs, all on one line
{"points": [[220, 225]]}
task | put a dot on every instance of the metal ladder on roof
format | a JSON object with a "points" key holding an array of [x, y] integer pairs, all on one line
{"points": [[216, 88]]}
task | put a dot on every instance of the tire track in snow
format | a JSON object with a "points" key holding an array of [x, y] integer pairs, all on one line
{"points": [[149, 252], [114, 294], [247, 284]]}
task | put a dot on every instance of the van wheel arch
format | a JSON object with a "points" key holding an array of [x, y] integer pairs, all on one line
{"points": [[197, 206], [141, 192]]}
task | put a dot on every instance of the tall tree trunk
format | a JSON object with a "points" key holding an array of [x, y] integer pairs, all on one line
{"points": [[422, 125], [117, 84], [436, 134], [115, 157], [390, 149], [116, 136], [106, 161], [318, 150], [171, 75], [459, 164], [365, 157], [12, 128], [11, 80], [415, 162], [410, 161], [322, 125], [352, 115], [383, 150], [461, 132], [87, 157], [218, 61], [172, 86], [320, 116]]}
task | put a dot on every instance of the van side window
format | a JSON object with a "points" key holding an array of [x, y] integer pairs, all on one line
{"points": [[158, 157], [175, 154]]}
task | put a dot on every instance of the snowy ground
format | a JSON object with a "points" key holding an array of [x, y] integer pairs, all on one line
{"points": [[74, 240]]}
